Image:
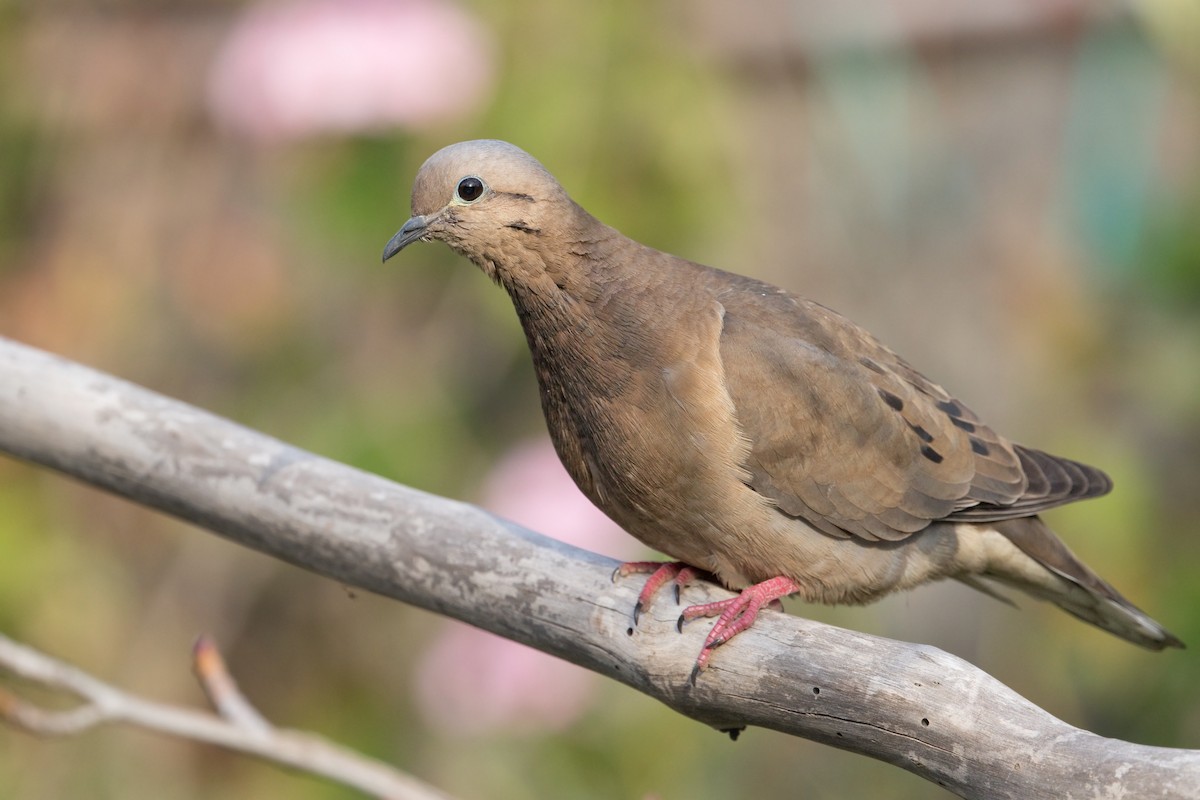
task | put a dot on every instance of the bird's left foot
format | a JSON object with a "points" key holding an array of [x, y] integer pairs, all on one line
{"points": [[735, 614]]}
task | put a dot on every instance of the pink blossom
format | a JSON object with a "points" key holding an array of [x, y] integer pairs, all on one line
{"points": [[472, 682], [308, 67], [530, 487]]}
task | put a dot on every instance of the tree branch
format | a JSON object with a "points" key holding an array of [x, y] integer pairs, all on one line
{"points": [[239, 727], [910, 705]]}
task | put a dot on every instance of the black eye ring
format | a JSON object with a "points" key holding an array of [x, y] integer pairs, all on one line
{"points": [[469, 189]]}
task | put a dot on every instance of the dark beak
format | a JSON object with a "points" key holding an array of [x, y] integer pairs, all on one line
{"points": [[413, 229]]}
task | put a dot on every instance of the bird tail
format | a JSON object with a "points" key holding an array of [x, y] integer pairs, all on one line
{"points": [[1070, 584]]}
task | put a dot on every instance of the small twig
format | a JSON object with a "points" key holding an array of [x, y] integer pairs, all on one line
{"points": [[32, 719], [222, 690], [239, 727]]}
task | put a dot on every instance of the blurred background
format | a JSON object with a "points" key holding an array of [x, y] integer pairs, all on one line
{"points": [[194, 196]]}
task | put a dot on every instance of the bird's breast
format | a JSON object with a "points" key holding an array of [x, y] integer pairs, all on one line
{"points": [[643, 422]]}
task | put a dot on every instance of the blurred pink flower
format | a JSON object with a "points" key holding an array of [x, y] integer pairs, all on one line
{"points": [[530, 487], [471, 682], [308, 67]]}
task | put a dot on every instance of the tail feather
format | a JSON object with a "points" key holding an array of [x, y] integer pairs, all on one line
{"points": [[1072, 585]]}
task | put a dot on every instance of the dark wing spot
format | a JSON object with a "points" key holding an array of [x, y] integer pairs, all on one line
{"points": [[892, 400], [871, 364], [931, 454], [524, 227], [950, 407], [979, 447], [966, 425], [922, 434]]}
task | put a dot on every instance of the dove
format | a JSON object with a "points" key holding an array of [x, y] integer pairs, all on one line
{"points": [[752, 435]]}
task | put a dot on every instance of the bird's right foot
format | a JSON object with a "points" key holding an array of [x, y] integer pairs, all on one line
{"points": [[661, 572]]}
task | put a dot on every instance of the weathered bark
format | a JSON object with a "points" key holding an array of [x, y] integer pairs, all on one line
{"points": [[910, 705]]}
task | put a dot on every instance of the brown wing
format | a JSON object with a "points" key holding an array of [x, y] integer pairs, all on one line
{"points": [[847, 436], [1053, 481]]}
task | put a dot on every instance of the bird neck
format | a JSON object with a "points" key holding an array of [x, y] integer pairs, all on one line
{"points": [[576, 296], [560, 271]]}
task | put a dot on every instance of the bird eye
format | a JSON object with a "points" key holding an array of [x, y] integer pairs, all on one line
{"points": [[469, 189]]}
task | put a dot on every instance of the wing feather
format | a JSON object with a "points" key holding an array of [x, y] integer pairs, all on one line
{"points": [[862, 444]]}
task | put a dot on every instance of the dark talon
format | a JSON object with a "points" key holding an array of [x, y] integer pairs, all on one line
{"points": [[695, 674], [679, 623], [615, 573], [637, 612], [677, 592], [734, 733]]}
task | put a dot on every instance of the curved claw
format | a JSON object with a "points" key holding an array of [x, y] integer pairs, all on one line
{"points": [[734, 615], [660, 573]]}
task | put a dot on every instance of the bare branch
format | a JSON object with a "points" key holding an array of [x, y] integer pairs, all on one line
{"points": [[910, 705], [221, 689], [244, 731]]}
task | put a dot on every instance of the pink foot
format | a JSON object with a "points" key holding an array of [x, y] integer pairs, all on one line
{"points": [[660, 573], [735, 614]]}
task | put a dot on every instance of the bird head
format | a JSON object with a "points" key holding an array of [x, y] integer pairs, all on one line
{"points": [[484, 198]]}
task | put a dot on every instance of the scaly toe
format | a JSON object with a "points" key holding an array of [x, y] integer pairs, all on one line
{"points": [[660, 573], [734, 615]]}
